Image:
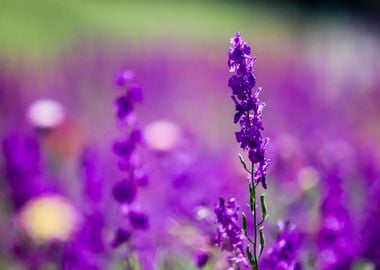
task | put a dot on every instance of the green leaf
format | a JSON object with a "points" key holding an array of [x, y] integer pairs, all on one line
{"points": [[262, 240], [242, 161], [244, 223], [263, 206], [252, 203], [250, 257]]}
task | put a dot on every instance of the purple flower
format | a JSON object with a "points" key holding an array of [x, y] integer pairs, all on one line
{"points": [[121, 236], [369, 227], [92, 180], [138, 220], [229, 233], [124, 107], [77, 257], [239, 60], [124, 104], [23, 168], [124, 148], [90, 235], [201, 258], [124, 191], [336, 236], [135, 93], [141, 177], [85, 250], [283, 255], [124, 77], [248, 106], [30, 257]]}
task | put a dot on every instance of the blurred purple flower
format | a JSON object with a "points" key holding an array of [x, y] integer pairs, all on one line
{"points": [[138, 220], [201, 258], [229, 233], [30, 257], [92, 180], [23, 169], [335, 237], [124, 107], [75, 256], [124, 191], [90, 235], [133, 93], [124, 77], [283, 255], [141, 177], [124, 149], [121, 236]]}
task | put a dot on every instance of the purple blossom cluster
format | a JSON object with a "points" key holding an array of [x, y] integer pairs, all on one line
{"points": [[334, 238], [248, 113], [248, 106], [85, 250], [283, 255], [22, 158], [125, 190], [229, 235]]}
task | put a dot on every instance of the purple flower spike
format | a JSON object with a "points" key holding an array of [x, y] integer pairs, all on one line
{"points": [[248, 113], [92, 179], [138, 220], [129, 162], [124, 191], [124, 104], [283, 256], [229, 233], [23, 169], [248, 106]]}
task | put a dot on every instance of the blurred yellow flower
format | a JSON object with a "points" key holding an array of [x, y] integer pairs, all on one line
{"points": [[48, 218]]}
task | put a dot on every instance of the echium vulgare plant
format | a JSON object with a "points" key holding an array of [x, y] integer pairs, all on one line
{"points": [[248, 114]]}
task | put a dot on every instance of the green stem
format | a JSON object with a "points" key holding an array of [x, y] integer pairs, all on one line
{"points": [[254, 217]]}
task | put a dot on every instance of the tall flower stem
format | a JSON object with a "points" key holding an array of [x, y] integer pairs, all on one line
{"points": [[253, 209], [248, 114]]}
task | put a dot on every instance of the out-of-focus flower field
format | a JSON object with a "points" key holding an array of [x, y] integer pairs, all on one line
{"points": [[118, 144]]}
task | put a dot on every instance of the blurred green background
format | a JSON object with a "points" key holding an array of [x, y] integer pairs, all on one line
{"points": [[40, 27]]}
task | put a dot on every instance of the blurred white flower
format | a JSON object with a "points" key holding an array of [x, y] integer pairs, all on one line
{"points": [[162, 135], [45, 113]]}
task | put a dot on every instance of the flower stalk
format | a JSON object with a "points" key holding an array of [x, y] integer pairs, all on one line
{"points": [[248, 114]]}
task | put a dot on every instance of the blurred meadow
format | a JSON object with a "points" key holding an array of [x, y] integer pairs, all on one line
{"points": [[61, 204]]}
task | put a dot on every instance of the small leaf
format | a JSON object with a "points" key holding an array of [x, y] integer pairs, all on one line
{"points": [[243, 162], [252, 202], [250, 257], [244, 223], [262, 240], [263, 206]]}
